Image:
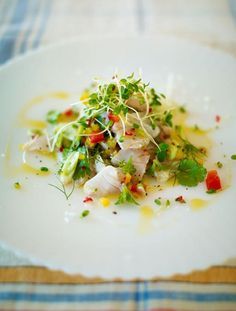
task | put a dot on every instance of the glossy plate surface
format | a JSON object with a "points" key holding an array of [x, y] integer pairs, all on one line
{"points": [[130, 244]]}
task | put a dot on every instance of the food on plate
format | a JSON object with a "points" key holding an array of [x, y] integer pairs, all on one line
{"points": [[121, 136]]}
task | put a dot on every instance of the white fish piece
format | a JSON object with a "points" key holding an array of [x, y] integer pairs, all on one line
{"points": [[132, 118], [38, 143], [135, 103], [99, 164], [134, 141], [153, 132], [139, 158], [107, 181], [162, 177]]}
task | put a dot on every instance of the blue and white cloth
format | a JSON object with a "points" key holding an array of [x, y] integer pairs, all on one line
{"points": [[28, 24]]}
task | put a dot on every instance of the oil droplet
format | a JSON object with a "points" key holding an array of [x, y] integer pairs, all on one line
{"points": [[11, 170], [25, 121], [146, 211], [197, 204], [59, 95], [146, 216]]}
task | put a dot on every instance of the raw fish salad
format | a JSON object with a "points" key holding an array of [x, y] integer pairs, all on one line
{"points": [[118, 137]]}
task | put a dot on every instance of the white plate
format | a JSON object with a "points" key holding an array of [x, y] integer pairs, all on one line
{"points": [[124, 245]]}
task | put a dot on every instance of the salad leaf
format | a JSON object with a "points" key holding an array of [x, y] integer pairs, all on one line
{"points": [[190, 172], [83, 165], [68, 168]]}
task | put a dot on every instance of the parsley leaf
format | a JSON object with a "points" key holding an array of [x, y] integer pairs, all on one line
{"points": [[125, 197], [190, 172]]}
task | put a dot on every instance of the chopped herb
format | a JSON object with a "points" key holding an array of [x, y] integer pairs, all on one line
{"points": [[219, 164], [121, 139], [157, 201], [182, 109], [233, 156], [135, 125], [190, 172], [127, 167], [155, 101], [63, 189], [191, 151], [162, 152], [211, 191], [53, 116], [17, 185], [167, 203], [85, 213], [168, 119], [44, 169], [125, 196]]}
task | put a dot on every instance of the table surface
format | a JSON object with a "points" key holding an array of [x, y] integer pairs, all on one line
{"points": [[26, 25]]}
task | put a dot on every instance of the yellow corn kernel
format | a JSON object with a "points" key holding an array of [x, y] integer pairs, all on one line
{"points": [[17, 185], [88, 131], [81, 156], [95, 127], [105, 202], [127, 178]]}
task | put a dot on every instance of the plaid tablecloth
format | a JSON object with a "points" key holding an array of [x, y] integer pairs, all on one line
{"points": [[25, 25]]}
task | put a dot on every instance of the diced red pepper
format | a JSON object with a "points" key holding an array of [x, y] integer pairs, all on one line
{"points": [[134, 188], [112, 117], [180, 199], [87, 200], [213, 181], [96, 138], [68, 113], [61, 149], [217, 118]]}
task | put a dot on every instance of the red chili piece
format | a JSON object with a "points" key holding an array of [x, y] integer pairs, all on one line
{"points": [[87, 200], [180, 199], [96, 138], [213, 181], [68, 112], [134, 188], [129, 133], [112, 117], [217, 118], [61, 149]]}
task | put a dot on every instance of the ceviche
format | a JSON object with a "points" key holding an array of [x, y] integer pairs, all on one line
{"points": [[120, 136]]}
